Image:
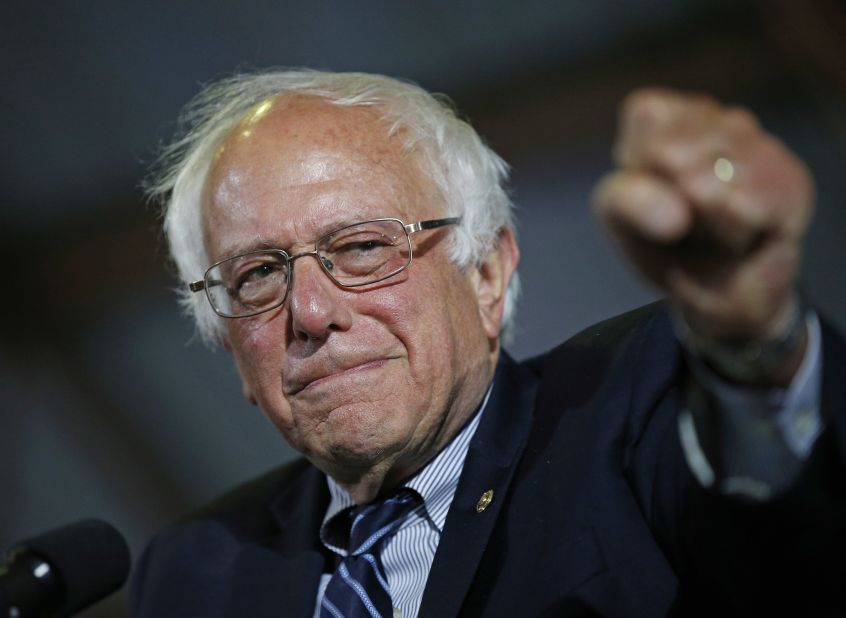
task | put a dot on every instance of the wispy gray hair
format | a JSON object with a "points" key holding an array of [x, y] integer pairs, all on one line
{"points": [[470, 176]]}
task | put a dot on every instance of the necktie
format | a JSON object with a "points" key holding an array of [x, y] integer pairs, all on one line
{"points": [[359, 588]]}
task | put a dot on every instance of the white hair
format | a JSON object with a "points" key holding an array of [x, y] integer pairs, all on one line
{"points": [[470, 176]]}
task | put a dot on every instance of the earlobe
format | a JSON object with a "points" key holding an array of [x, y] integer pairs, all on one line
{"points": [[248, 394], [494, 273]]}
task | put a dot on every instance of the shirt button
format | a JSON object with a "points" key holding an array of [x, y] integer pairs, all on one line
{"points": [[397, 612]]}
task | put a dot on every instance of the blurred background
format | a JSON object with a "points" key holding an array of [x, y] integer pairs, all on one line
{"points": [[110, 407]]}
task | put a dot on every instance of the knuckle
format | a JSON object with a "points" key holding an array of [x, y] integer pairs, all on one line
{"points": [[637, 98], [740, 119], [671, 154], [643, 103], [638, 191], [690, 185], [607, 191], [704, 102]]}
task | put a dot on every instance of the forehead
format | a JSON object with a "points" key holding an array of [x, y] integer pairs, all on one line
{"points": [[296, 167]]}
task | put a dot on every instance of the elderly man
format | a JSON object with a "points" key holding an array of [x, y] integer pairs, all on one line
{"points": [[349, 241]]}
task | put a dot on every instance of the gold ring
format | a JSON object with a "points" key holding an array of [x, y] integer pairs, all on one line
{"points": [[724, 169]]}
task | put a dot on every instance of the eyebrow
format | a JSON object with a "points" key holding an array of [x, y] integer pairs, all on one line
{"points": [[323, 230], [257, 245]]}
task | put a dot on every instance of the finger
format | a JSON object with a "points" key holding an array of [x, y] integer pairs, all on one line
{"points": [[673, 150], [634, 203], [737, 300], [655, 124], [733, 209], [769, 193], [771, 180], [669, 133], [681, 137], [727, 215]]}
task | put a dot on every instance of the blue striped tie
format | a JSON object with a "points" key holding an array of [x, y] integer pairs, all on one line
{"points": [[359, 588]]}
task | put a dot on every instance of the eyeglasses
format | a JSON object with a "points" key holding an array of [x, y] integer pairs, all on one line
{"points": [[353, 256]]}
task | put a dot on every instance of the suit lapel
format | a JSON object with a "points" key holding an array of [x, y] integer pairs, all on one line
{"points": [[265, 584], [490, 464], [279, 575]]}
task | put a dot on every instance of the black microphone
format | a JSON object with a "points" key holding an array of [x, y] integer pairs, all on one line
{"points": [[63, 571]]}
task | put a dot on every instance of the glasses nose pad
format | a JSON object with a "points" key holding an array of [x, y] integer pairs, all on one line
{"points": [[327, 263]]}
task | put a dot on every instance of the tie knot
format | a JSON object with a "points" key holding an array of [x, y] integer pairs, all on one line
{"points": [[372, 522]]}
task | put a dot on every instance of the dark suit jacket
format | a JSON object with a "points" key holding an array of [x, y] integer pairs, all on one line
{"points": [[594, 510]]}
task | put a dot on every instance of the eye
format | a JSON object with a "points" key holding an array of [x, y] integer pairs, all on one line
{"points": [[369, 245], [361, 245], [359, 253], [257, 274]]}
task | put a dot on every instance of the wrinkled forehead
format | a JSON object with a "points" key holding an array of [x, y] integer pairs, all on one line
{"points": [[316, 164]]}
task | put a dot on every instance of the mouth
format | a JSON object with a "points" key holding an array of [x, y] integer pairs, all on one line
{"points": [[313, 382]]}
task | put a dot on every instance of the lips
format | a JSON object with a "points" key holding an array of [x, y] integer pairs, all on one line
{"points": [[305, 377]]}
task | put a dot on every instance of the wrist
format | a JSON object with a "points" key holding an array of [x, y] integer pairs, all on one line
{"points": [[770, 361]]}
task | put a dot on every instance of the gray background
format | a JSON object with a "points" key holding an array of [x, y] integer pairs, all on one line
{"points": [[110, 408]]}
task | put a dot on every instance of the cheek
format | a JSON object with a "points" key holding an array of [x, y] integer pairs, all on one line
{"points": [[257, 346], [251, 341], [442, 322], [429, 318]]}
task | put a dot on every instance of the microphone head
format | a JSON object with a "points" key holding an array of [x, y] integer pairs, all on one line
{"points": [[90, 558]]}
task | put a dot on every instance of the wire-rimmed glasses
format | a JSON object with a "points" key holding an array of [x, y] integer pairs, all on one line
{"points": [[354, 255]]}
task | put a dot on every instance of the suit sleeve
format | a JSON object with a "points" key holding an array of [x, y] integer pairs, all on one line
{"points": [[785, 553]]}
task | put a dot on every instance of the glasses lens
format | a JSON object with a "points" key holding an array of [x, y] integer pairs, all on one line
{"points": [[366, 252], [248, 284]]}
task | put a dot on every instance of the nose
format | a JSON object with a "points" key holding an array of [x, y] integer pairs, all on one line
{"points": [[314, 301]]}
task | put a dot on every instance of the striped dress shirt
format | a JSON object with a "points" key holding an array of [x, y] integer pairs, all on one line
{"points": [[408, 555]]}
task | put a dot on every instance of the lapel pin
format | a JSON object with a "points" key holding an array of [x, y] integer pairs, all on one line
{"points": [[484, 501]]}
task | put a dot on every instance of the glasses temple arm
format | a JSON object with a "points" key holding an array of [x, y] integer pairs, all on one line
{"points": [[197, 286], [431, 224]]}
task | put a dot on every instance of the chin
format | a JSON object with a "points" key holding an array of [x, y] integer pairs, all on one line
{"points": [[360, 435], [353, 457]]}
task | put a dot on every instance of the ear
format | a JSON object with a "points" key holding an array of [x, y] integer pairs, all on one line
{"points": [[493, 275], [248, 394], [245, 387]]}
